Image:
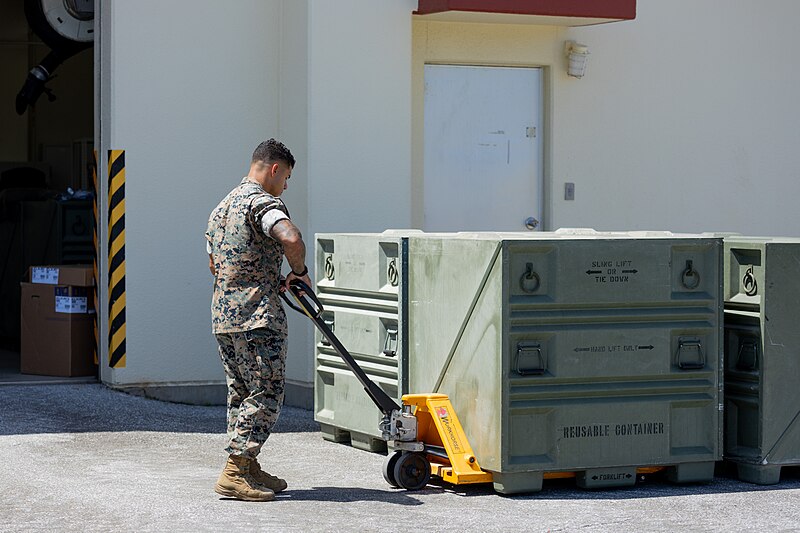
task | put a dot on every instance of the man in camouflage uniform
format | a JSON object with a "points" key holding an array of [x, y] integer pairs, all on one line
{"points": [[248, 235]]}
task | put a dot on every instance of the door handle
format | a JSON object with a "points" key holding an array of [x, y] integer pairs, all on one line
{"points": [[531, 223]]}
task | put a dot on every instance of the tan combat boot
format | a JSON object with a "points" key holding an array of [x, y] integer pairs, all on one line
{"points": [[273, 483], [236, 481]]}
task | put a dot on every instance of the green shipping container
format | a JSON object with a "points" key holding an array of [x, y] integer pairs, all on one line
{"points": [[762, 356], [592, 353], [361, 282]]}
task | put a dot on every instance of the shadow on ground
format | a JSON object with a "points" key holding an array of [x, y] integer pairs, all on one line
{"points": [[351, 495], [651, 486], [35, 409]]}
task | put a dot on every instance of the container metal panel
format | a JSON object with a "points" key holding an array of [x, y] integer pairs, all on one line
{"points": [[467, 336], [572, 354], [762, 347], [359, 282]]}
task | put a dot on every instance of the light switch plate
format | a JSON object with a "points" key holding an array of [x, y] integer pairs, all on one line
{"points": [[569, 191]]}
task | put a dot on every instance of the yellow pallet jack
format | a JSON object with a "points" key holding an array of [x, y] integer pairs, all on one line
{"points": [[424, 432]]}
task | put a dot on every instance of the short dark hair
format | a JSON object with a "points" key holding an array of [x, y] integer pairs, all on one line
{"points": [[272, 151]]}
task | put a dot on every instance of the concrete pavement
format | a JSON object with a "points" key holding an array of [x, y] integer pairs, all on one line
{"points": [[85, 458]]}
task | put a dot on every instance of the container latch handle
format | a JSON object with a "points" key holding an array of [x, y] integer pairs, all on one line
{"points": [[690, 355], [390, 344], [530, 359], [748, 354]]}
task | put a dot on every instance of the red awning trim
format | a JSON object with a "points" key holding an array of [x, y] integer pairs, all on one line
{"points": [[604, 9]]}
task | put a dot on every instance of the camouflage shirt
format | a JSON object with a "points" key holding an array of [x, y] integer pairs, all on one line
{"points": [[247, 261]]}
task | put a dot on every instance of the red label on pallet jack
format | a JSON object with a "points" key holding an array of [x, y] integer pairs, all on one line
{"points": [[442, 412]]}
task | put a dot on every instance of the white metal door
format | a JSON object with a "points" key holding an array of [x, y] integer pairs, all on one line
{"points": [[483, 146]]}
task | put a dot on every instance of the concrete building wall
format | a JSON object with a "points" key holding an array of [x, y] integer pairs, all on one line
{"points": [[684, 120], [293, 130], [359, 115], [357, 163], [189, 117], [188, 90]]}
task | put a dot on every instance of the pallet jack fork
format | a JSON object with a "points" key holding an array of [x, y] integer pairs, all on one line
{"points": [[424, 431]]}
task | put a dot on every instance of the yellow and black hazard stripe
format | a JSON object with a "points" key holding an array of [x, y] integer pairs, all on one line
{"points": [[96, 243], [116, 258]]}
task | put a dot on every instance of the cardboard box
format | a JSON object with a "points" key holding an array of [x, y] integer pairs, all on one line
{"points": [[57, 315], [74, 275]]}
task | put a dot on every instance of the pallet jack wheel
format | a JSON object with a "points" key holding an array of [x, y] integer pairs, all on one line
{"points": [[388, 468], [412, 471]]}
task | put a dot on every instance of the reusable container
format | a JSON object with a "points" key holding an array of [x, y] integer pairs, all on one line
{"points": [[592, 353], [762, 356]]}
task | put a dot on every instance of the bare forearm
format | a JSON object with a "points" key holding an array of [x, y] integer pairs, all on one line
{"points": [[296, 256], [294, 248]]}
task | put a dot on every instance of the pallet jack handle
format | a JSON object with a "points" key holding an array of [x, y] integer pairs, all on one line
{"points": [[309, 305]]}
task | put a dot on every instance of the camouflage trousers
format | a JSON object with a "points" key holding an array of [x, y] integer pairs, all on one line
{"points": [[254, 363]]}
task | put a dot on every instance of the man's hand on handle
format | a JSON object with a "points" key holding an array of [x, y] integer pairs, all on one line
{"points": [[290, 276]]}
